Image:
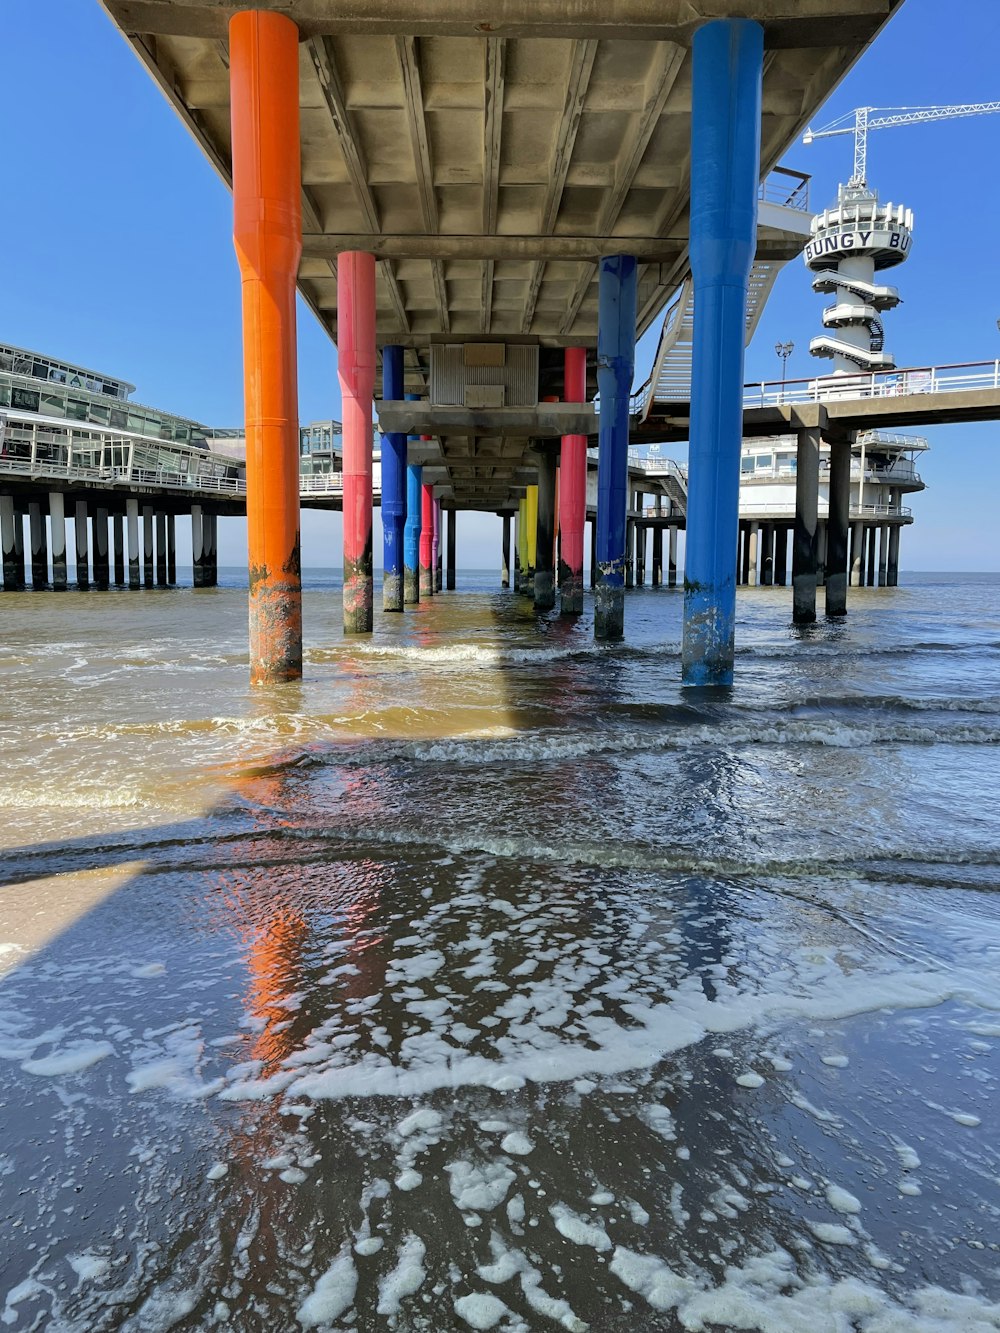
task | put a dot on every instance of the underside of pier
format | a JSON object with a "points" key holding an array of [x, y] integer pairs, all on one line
{"points": [[488, 158]]}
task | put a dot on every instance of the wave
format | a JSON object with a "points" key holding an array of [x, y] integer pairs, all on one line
{"points": [[902, 703], [844, 649], [490, 655], [555, 746]]}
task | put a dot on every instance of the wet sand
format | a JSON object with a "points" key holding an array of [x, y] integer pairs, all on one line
{"points": [[488, 980]]}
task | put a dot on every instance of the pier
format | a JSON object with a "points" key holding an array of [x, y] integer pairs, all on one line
{"points": [[561, 239], [452, 948], [478, 331]]}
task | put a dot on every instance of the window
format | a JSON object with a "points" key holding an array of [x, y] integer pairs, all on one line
{"points": [[26, 399]]}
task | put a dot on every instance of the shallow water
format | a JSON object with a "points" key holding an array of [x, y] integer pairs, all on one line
{"points": [[486, 978]]}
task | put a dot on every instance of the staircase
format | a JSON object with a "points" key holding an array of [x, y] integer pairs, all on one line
{"points": [[670, 379]]}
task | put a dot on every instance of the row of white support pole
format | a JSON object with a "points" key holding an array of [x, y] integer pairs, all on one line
{"points": [[157, 562]]}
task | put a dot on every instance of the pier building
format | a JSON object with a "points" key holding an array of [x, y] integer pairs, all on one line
{"points": [[882, 472], [75, 445]]}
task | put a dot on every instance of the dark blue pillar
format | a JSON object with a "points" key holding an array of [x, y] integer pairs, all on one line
{"points": [[393, 487], [411, 532], [725, 169], [615, 364]]}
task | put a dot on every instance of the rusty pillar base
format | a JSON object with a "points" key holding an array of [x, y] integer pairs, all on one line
{"points": [[570, 590], [411, 586], [359, 594], [275, 631], [609, 610], [392, 592], [544, 590]]}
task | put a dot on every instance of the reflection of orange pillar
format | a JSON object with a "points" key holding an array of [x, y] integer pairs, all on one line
{"points": [[267, 231]]}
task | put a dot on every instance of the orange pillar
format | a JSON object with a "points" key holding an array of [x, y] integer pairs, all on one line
{"points": [[356, 371], [267, 232]]}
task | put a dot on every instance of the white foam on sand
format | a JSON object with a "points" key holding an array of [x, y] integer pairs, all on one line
{"points": [[908, 1157], [405, 1278], [770, 1295], [842, 1200], [509, 1263], [479, 1189], [480, 1310], [72, 1059], [88, 1266], [830, 1233], [812, 988], [750, 1080], [517, 1144], [332, 1295], [580, 1230]]}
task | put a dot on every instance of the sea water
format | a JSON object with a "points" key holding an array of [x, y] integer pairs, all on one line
{"points": [[488, 979]]}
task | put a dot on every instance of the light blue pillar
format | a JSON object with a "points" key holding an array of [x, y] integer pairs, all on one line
{"points": [[725, 169], [615, 364], [393, 487], [411, 532]]}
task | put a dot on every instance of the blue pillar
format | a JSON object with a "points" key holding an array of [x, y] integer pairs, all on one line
{"points": [[615, 364], [725, 170], [411, 532], [393, 487]]}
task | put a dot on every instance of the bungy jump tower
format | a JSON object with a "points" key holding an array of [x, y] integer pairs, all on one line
{"points": [[850, 243]]}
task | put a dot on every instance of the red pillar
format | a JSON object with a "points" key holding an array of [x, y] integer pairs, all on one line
{"points": [[356, 371], [267, 234], [573, 490], [426, 540]]}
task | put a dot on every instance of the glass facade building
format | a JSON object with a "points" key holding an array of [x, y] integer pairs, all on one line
{"points": [[30, 382]]}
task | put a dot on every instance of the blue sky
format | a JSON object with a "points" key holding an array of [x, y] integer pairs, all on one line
{"points": [[116, 245]]}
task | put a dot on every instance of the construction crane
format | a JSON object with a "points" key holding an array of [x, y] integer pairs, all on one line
{"points": [[865, 118]]}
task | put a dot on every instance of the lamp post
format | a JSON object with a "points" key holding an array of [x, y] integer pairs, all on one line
{"points": [[784, 350]]}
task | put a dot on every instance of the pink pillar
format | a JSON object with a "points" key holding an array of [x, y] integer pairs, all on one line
{"points": [[573, 490], [426, 540], [436, 546], [356, 370]]}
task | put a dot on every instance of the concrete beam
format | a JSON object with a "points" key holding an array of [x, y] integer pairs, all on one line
{"points": [[581, 67], [546, 420], [788, 23], [416, 245]]}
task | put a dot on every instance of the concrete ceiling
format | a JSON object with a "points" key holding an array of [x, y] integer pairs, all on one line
{"points": [[490, 153]]}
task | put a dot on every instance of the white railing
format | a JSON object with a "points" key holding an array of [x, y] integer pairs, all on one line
{"points": [[879, 439], [958, 378], [666, 467], [786, 187], [322, 483], [885, 475], [786, 508], [881, 511], [637, 459], [124, 478]]}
